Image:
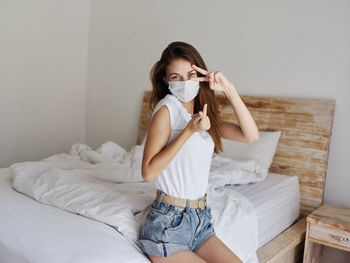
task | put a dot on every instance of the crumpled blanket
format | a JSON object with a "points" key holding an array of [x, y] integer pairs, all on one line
{"points": [[106, 185]]}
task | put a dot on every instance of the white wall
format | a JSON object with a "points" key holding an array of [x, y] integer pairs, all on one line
{"points": [[273, 48], [43, 61]]}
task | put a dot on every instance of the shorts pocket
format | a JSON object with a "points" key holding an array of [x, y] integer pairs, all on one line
{"points": [[154, 225], [161, 209], [177, 221], [178, 230]]}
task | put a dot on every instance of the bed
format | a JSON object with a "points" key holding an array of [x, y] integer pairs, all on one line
{"points": [[35, 232]]}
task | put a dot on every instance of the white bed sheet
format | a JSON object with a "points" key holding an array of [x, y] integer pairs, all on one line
{"points": [[277, 203], [35, 232], [45, 232]]}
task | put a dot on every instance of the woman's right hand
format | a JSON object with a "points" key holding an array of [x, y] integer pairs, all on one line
{"points": [[199, 121]]}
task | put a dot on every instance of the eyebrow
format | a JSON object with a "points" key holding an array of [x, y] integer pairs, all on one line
{"points": [[179, 74]]}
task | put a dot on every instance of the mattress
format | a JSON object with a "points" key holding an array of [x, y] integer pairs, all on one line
{"points": [[35, 232], [39, 233], [277, 203]]}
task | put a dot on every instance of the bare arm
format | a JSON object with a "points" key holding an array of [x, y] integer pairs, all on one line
{"points": [[156, 155], [247, 130]]}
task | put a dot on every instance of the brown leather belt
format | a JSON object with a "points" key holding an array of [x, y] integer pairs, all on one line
{"points": [[170, 200]]}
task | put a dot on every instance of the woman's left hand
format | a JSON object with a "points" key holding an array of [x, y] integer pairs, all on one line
{"points": [[217, 80]]}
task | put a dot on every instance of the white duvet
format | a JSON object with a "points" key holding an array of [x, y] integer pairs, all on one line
{"points": [[106, 185]]}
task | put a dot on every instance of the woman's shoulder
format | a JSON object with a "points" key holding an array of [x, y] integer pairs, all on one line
{"points": [[169, 98], [170, 101]]}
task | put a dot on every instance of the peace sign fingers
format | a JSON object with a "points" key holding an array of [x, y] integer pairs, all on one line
{"points": [[216, 80], [200, 70]]}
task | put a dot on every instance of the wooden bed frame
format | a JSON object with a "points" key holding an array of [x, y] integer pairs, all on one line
{"points": [[305, 126]]}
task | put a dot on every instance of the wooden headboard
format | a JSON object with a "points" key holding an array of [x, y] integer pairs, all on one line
{"points": [[303, 147]]}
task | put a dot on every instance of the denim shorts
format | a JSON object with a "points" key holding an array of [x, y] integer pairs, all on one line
{"points": [[169, 229]]}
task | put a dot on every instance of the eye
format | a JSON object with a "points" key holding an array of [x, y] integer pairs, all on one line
{"points": [[193, 74]]}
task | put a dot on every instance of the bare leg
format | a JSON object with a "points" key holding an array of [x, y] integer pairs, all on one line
{"points": [[214, 250], [183, 256]]}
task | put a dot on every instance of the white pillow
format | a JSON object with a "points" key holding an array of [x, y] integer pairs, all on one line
{"points": [[262, 151]]}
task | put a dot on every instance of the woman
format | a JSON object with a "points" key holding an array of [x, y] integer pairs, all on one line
{"points": [[184, 132]]}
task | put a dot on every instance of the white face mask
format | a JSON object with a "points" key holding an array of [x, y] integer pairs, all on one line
{"points": [[184, 90]]}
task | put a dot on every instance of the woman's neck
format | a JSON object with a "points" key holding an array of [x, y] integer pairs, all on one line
{"points": [[189, 106]]}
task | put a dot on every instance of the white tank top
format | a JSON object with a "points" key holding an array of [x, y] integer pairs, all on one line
{"points": [[186, 176]]}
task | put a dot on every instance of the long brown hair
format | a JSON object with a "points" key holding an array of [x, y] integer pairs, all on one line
{"points": [[177, 50]]}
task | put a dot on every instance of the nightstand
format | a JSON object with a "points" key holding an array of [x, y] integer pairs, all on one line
{"points": [[326, 226]]}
